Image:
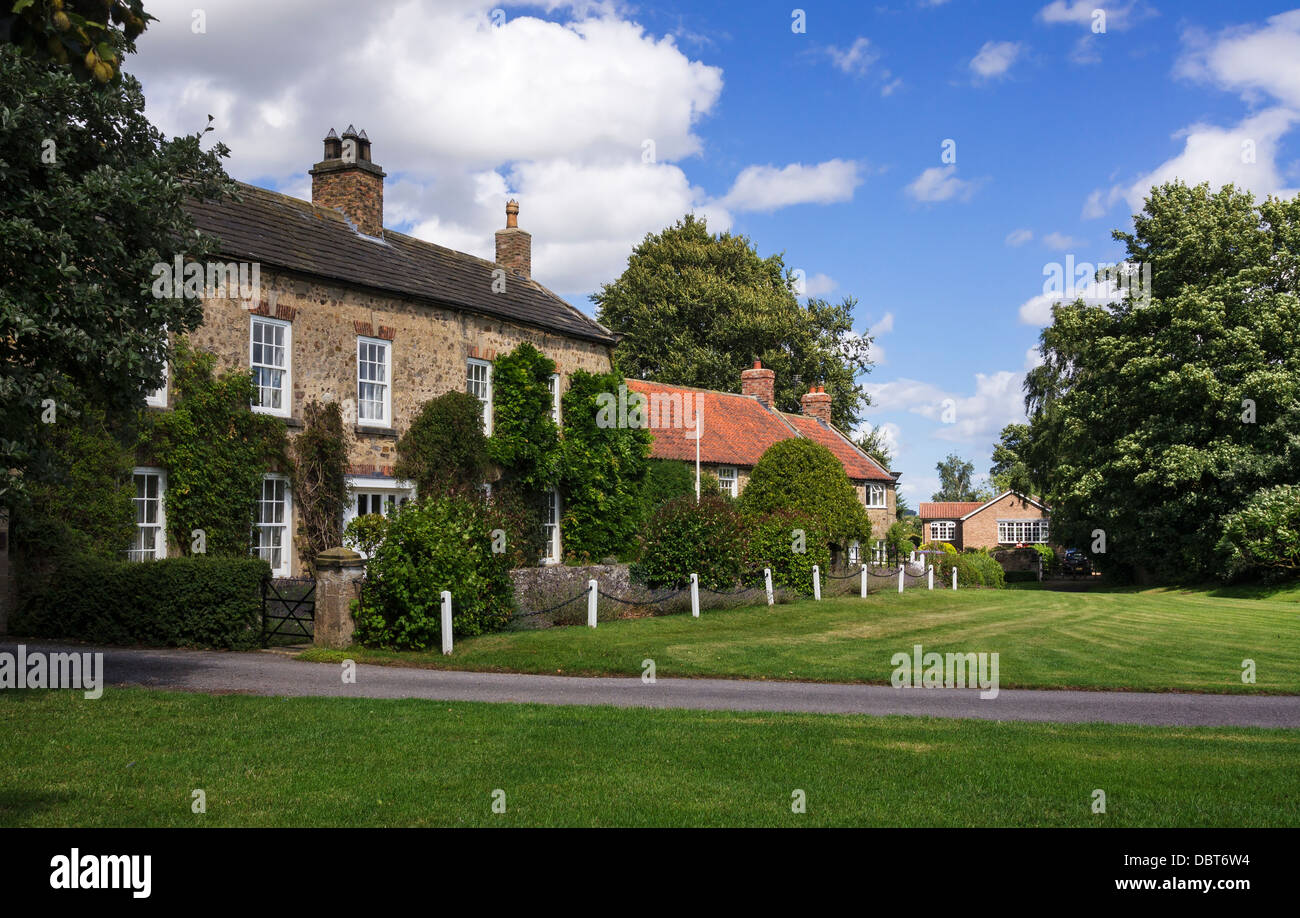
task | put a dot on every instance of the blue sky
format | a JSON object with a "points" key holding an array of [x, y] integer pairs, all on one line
{"points": [[825, 144]]}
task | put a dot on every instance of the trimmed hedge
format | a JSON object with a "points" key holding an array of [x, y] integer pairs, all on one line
{"points": [[685, 537], [770, 542], [174, 602], [991, 573]]}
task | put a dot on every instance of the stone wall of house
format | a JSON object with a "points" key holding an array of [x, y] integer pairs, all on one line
{"points": [[881, 519], [430, 347], [981, 530]]}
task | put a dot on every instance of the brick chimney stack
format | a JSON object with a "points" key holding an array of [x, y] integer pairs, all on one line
{"points": [[514, 246], [760, 383], [347, 181], [817, 404]]}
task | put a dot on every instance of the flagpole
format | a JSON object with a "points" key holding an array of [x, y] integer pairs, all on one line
{"points": [[698, 431]]}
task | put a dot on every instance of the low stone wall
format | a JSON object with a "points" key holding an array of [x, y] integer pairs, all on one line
{"points": [[540, 587], [1018, 559]]}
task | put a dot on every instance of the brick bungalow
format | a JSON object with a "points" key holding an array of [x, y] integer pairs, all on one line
{"points": [[379, 321], [736, 429], [1008, 520]]}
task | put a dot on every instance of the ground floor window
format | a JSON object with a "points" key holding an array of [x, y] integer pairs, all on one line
{"points": [[878, 551], [551, 529], [150, 525], [1022, 531], [273, 543], [375, 495], [943, 531]]}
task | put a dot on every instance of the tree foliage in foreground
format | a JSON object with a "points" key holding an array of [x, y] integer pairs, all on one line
{"points": [[1152, 423], [695, 309], [92, 199]]}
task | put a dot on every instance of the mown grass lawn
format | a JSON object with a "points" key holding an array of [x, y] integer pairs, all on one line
{"points": [[134, 757], [1154, 640]]}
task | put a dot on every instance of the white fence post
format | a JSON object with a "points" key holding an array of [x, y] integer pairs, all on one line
{"points": [[767, 582], [817, 582], [930, 573], [864, 581], [446, 621], [954, 576], [695, 595], [900, 577], [591, 603]]}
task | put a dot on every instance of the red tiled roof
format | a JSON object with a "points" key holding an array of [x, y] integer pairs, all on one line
{"points": [[737, 429], [948, 510], [857, 464]]}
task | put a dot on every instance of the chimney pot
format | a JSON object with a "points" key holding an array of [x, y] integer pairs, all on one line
{"points": [[817, 404], [760, 383], [514, 246], [353, 185]]}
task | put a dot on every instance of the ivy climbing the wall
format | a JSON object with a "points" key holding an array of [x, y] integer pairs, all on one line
{"points": [[216, 450], [320, 484]]}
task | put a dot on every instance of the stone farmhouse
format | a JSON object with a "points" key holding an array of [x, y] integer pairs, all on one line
{"points": [[1006, 521], [735, 430], [349, 311]]}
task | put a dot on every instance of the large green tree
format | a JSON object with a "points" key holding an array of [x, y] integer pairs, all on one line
{"points": [[696, 308], [91, 200], [957, 481], [1010, 472], [1154, 417]]}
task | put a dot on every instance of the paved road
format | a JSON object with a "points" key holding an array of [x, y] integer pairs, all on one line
{"points": [[270, 673]]}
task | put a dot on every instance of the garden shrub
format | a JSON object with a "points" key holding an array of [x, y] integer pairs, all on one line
{"points": [[770, 542], [518, 513], [82, 501], [798, 474], [685, 537], [603, 467], [173, 602], [364, 533], [1050, 562], [968, 574], [525, 440], [665, 480], [1263, 537], [445, 450], [430, 545], [990, 571], [944, 547]]}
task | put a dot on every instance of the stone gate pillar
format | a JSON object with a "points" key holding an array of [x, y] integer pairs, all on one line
{"points": [[338, 582]]}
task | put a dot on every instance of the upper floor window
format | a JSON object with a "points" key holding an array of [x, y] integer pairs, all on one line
{"points": [[270, 356], [150, 522], [478, 383], [555, 397], [943, 531], [727, 479], [876, 495], [374, 387]]}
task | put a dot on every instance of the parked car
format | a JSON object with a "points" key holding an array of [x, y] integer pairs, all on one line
{"points": [[1075, 562]]}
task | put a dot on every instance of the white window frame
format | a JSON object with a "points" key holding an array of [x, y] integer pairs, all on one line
{"points": [[551, 552], [1023, 532], [949, 532], [728, 485], [855, 552], [399, 489], [286, 388], [285, 567], [555, 397], [160, 537], [878, 551], [386, 347], [485, 399], [870, 495]]}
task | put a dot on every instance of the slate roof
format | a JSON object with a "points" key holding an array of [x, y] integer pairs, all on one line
{"points": [[275, 229], [738, 429]]}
